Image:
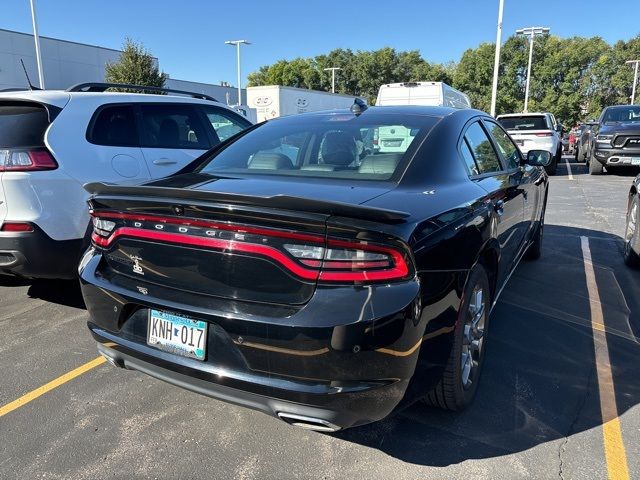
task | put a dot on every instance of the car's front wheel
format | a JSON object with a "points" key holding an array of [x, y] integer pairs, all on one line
{"points": [[459, 381], [595, 167], [631, 257]]}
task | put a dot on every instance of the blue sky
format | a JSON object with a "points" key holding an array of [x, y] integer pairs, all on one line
{"points": [[188, 35]]}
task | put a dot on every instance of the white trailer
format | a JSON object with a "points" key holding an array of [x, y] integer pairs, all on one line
{"points": [[277, 101], [422, 93]]}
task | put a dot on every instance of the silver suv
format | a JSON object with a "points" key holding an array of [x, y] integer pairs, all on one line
{"points": [[535, 131]]}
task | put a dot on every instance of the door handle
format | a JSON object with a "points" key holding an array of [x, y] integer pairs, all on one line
{"points": [[499, 207], [164, 161]]}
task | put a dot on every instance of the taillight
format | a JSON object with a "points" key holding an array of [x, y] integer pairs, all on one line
{"points": [[25, 160], [376, 136], [16, 227], [545, 134], [352, 262], [103, 227], [308, 256]]}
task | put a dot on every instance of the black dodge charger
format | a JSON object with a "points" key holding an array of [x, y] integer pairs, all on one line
{"points": [[315, 269]]}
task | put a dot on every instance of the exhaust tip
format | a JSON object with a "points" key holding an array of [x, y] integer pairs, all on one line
{"points": [[116, 362], [308, 423]]}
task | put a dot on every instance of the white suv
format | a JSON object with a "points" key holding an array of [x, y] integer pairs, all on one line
{"points": [[535, 131], [53, 142]]}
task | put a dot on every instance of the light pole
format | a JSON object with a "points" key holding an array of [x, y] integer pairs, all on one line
{"points": [[36, 38], [333, 77], [496, 61], [237, 44], [531, 32], [635, 79]]}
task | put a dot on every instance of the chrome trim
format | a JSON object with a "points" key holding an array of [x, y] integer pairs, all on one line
{"points": [[308, 423]]}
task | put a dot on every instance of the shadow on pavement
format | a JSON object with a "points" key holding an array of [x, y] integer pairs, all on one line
{"points": [[539, 382], [62, 292]]}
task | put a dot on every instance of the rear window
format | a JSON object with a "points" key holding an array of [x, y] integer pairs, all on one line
{"points": [[22, 125], [115, 125], [340, 146], [524, 123]]}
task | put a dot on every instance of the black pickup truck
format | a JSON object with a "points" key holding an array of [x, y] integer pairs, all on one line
{"points": [[615, 139]]}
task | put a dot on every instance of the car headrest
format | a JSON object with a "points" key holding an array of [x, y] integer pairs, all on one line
{"points": [[168, 132], [339, 148], [270, 161], [381, 164]]}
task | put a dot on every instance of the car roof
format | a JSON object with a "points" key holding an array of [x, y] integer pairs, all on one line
{"points": [[619, 107], [396, 110], [60, 98], [528, 114]]}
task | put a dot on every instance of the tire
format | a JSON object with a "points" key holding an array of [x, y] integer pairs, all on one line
{"points": [[632, 231], [457, 387], [535, 249], [595, 167], [582, 156], [553, 166]]}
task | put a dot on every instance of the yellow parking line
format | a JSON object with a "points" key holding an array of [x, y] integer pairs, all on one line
{"points": [[33, 394], [614, 450]]}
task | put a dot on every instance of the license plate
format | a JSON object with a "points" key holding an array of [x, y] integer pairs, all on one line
{"points": [[177, 334], [520, 142], [392, 143], [635, 160]]}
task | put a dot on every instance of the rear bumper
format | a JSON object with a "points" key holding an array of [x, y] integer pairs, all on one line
{"points": [[329, 360], [333, 409], [36, 255]]}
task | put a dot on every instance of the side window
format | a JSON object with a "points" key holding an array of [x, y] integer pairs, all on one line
{"points": [[223, 123], [115, 126], [172, 126], [486, 157], [507, 149], [468, 158]]}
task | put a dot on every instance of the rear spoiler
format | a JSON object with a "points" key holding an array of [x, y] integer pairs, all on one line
{"points": [[283, 202]]}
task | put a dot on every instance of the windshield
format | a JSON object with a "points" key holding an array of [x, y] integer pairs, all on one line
{"points": [[524, 123], [629, 114], [337, 146]]}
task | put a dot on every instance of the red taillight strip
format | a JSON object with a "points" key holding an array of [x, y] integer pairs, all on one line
{"points": [[216, 225], [215, 243], [400, 269]]}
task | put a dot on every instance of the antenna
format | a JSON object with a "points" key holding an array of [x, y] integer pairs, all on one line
{"points": [[31, 87]]}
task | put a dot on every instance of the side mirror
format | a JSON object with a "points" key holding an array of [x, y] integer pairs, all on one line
{"points": [[559, 128], [538, 158]]}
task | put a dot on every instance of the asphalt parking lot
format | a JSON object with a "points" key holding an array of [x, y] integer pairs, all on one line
{"points": [[550, 405]]}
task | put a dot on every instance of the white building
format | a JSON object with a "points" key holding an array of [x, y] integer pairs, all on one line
{"points": [[68, 63]]}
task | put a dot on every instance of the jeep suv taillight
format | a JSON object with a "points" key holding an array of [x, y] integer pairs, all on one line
{"points": [[26, 160]]}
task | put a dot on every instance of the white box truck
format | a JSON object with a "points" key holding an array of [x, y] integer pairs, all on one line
{"points": [[436, 94], [277, 101]]}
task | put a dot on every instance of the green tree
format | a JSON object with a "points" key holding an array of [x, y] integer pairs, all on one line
{"points": [[573, 78], [135, 66]]}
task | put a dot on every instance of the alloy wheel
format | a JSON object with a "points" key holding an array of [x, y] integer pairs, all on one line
{"points": [[472, 340]]}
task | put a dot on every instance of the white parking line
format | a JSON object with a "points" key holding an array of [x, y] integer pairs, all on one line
{"points": [[569, 169]]}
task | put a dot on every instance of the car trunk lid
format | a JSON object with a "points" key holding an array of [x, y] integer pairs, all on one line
{"points": [[260, 248]]}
